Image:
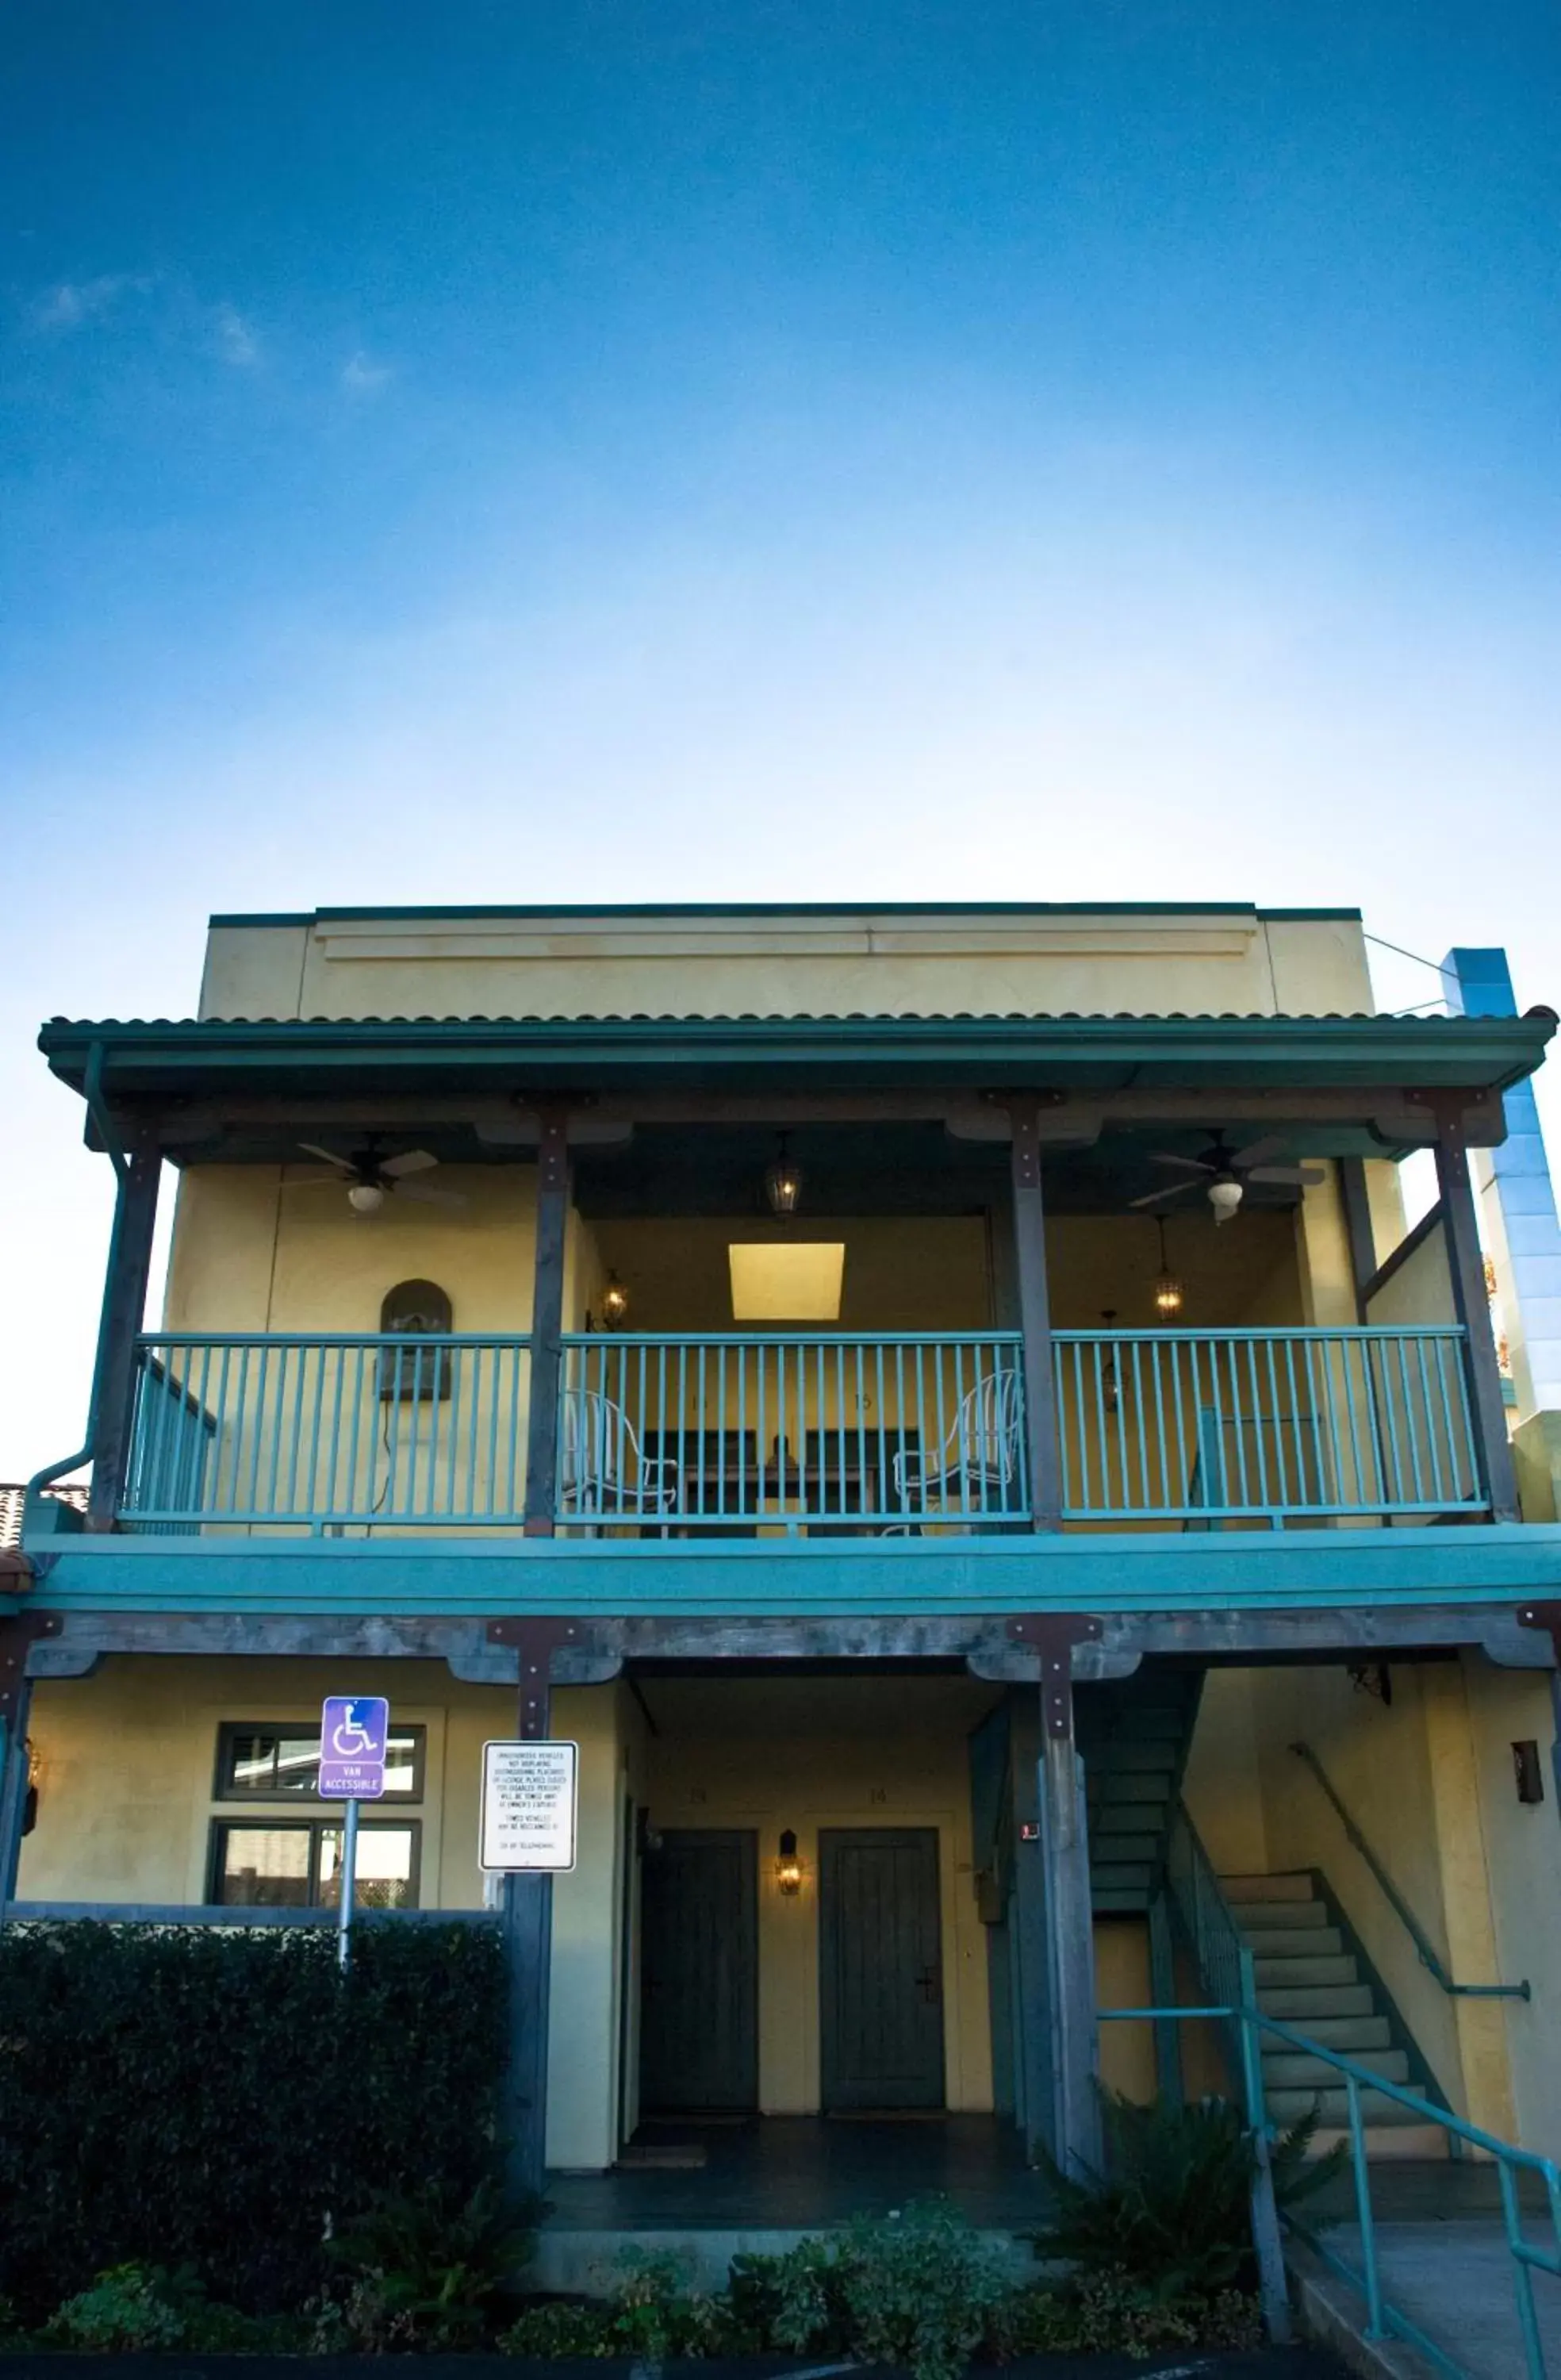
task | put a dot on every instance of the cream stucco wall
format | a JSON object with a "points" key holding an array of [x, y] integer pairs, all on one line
{"points": [[1043, 961], [811, 1752], [126, 1762]]}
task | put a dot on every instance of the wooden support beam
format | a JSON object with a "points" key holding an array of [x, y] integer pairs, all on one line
{"points": [[528, 1913], [1466, 1263], [1358, 1227], [547, 1322], [124, 1310], [18, 1633], [1035, 1317], [1070, 1934], [1034, 2087]]}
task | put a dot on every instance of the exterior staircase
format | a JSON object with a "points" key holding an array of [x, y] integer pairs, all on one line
{"points": [[1308, 1976], [1134, 1734]]}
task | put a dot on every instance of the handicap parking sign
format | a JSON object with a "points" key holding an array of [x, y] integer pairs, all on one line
{"points": [[354, 1738]]}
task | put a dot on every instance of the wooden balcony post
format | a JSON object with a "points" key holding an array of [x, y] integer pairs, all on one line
{"points": [[546, 1323], [124, 1308], [1070, 1923], [1035, 1317], [1466, 1263], [527, 1909]]}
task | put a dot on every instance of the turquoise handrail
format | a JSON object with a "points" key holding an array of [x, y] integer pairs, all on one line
{"points": [[1425, 1949], [1382, 2318]]}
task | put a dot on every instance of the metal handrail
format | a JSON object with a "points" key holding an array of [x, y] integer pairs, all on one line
{"points": [[1382, 2318], [1424, 1948]]}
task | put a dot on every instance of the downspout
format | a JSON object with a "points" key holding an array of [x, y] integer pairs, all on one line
{"points": [[97, 1109]]}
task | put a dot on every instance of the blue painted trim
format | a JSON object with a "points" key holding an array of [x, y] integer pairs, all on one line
{"points": [[1253, 1571]]}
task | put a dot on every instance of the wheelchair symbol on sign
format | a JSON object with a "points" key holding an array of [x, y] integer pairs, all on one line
{"points": [[350, 1742]]}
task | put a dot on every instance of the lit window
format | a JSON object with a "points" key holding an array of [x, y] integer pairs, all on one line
{"points": [[787, 1282]]}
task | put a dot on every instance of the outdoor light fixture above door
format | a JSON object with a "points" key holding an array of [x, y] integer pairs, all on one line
{"points": [[782, 1180], [788, 1867]]}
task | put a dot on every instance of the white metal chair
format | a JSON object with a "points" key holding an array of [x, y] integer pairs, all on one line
{"points": [[603, 1473], [978, 1464]]}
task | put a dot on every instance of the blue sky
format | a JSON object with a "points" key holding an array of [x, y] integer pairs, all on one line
{"points": [[1094, 447]]}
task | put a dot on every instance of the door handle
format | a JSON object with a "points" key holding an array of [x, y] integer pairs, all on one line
{"points": [[927, 1984]]}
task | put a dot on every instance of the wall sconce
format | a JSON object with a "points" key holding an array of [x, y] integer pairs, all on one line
{"points": [[782, 1181], [1167, 1289], [788, 1867], [614, 1303], [1110, 1396], [34, 1780]]}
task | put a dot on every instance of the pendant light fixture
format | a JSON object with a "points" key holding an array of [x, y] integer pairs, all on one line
{"points": [[1167, 1289], [782, 1180], [614, 1303]]}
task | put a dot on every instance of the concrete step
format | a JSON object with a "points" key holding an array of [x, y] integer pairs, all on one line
{"points": [[1306, 2005], [1267, 1888], [1117, 1789], [1288, 2106], [1291, 2069], [1297, 1942], [1110, 1850], [1279, 1916], [1126, 1818], [1357, 2036], [1291, 1972], [1411, 2142]]}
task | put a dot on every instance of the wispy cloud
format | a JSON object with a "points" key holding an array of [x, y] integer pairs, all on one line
{"points": [[70, 304], [236, 341], [361, 376]]}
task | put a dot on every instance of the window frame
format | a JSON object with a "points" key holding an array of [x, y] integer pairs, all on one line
{"points": [[316, 1825], [246, 1796]]}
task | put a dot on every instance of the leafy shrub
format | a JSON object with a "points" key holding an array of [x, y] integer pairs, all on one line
{"points": [[556, 2327], [920, 2290], [1108, 2314], [196, 2097], [134, 2309], [1172, 2214], [427, 2276]]}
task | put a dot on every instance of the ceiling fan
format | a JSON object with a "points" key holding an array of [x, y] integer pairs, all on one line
{"points": [[1224, 1174], [370, 1178]]}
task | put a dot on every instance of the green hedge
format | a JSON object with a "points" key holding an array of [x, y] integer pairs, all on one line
{"points": [[190, 2097]]}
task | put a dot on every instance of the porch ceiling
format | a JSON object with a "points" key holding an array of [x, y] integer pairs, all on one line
{"points": [[246, 1086]]}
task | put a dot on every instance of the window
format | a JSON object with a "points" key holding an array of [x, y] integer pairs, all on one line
{"points": [[279, 1760], [277, 1864], [416, 1309]]}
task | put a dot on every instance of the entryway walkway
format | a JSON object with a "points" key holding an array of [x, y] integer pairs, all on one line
{"points": [[1454, 2280], [798, 2172]]}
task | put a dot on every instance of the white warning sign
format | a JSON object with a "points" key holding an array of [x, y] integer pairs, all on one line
{"points": [[531, 1808]]}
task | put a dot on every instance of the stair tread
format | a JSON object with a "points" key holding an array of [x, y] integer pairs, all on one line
{"points": [[1280, 1916], [1301, 2001], [1336, 1969], [1286, 2105], [1268, 1888], [1314, 1942]]}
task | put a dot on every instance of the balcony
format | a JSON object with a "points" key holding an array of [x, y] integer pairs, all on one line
{"points": [[751, 1436]]}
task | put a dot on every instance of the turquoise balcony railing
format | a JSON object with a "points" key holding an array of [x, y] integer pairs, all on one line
{"points": [[316, 1432], [816, 1433], [1212, 1426], [844, 1430]]}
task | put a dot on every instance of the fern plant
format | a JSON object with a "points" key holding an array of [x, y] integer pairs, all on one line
{"points": [[1171, 2214]]}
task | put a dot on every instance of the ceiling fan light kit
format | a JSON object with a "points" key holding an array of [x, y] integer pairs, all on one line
{"points": [[1223, 1173], [369, 1178]]}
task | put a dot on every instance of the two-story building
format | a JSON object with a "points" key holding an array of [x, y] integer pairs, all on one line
{"points": [[940, 1403]]}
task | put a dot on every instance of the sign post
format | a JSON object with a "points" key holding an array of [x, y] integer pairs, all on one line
{"points": [[353, 1740]]}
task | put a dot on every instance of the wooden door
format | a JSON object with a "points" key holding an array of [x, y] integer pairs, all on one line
{"points": [[881, 1968], [699, 1973]]}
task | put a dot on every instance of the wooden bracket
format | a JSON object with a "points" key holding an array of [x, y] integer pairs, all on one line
{"points": [[552, 1148], [1053, 1635], [1544, 1616], [18, 1636], [536, 1640]]}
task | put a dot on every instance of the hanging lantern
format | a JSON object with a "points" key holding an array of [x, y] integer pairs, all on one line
{"points": [[614, 1303], [782, 1181], [1167, 1289]]}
